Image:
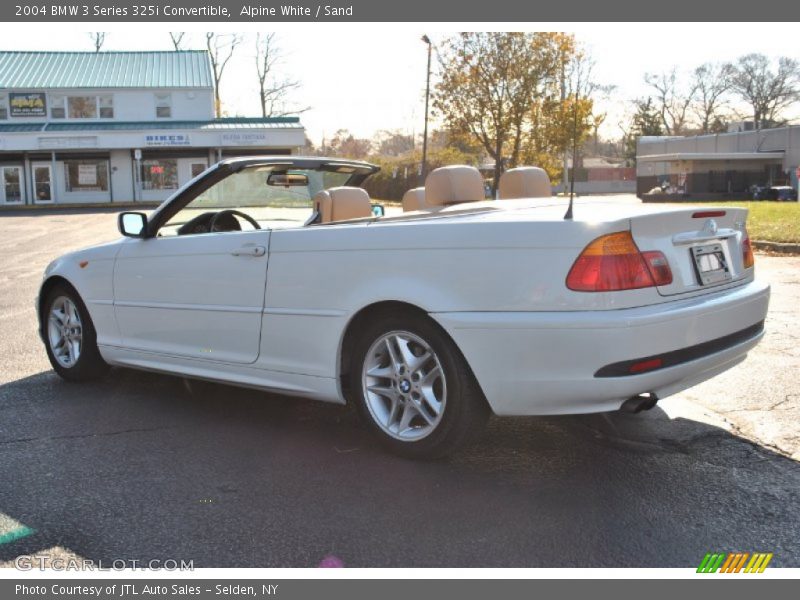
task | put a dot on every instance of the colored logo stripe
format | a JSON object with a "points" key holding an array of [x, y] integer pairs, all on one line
{"points": [[758, 563], [733, 562], [711, 562]]}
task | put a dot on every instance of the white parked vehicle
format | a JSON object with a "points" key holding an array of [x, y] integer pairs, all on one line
{"points": [[278, 273]]}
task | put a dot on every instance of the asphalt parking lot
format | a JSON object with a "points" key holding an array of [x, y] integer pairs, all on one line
{"points": [[149, 467]]}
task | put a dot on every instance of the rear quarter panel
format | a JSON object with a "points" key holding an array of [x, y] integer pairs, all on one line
{"points": [[320, 277]]}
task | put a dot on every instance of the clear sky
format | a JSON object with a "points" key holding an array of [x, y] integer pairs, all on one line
{"points": [[367, 77]]}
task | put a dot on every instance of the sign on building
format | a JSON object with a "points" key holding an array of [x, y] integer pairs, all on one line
{"points": [[87, 175], [168, 139], [27, 104], [248, 138], [68, 142]]}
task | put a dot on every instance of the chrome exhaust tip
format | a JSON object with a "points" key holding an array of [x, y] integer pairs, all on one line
{"points": [[638, 403]]}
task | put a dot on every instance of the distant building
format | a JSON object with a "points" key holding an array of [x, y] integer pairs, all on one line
{"points": [[718, 166], [597, 175], [117, 126], [737, 126]]}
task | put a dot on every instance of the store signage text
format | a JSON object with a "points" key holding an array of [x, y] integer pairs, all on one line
{"points": [[254, 138], [27, 104], [169, 139]]}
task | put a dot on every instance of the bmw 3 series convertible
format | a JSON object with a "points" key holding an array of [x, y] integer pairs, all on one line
{"points": [[279, 273]]}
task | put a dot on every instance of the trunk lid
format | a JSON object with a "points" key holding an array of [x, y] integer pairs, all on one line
{"points": [[703, 246]]}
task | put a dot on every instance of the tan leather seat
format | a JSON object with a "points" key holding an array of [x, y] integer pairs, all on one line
{"points": [[342, 204], [453, 185], [524, 182], [414, 199]]}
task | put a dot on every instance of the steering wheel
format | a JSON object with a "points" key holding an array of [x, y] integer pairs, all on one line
{"points": [[212, 226]]}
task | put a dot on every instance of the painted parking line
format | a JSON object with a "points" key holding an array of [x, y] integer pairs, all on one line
{"points": [[12, 530], [16, 534]]}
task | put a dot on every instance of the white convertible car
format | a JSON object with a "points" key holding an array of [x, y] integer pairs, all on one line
{"points": [[278, 273]]}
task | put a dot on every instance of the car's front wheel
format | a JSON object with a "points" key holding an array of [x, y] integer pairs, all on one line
{"points": [[414, 389], [70, 336]]}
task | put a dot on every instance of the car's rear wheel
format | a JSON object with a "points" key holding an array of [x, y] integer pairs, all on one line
{"points": [[70, 337], [414, 389]]}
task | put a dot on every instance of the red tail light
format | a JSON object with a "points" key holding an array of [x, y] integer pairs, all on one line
{"points": [[658, 266], [704, 214], [613, 262], [747, 252]]}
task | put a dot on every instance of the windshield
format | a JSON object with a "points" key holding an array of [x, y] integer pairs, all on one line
{"points": [[274, 196]]}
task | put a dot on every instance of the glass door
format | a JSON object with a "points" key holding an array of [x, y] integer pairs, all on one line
{"points": [[42, 182], [11, 180]]}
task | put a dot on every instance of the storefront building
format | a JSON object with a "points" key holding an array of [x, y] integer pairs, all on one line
{"points": [[79, 127], [719, 166]]}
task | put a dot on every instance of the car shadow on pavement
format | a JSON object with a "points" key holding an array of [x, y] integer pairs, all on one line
{"points": [[145, 467]]}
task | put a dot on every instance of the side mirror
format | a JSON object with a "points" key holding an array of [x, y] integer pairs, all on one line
{"points": [[378, 210], [132, 224]]}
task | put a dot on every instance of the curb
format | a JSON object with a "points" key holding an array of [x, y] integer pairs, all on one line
{"points": [[74, 205], [778, 247]]}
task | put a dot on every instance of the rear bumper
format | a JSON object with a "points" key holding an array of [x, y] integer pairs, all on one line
{"points": [[539, 363]]}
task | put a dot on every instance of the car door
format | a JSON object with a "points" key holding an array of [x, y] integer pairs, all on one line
{"points": [[196, 296]]}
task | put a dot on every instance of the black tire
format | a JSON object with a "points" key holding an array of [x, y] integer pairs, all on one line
{"points": [[89, 365], [465, 410]]}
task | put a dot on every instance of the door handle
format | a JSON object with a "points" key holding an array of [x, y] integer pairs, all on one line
{"points": [[250, 251]]}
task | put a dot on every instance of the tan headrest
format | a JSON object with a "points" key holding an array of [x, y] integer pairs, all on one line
{"points": [[454, 184], [414, 199], [342, 203], [525, 182]]}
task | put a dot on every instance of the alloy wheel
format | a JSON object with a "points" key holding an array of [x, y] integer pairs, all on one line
{"points": [[65, 331], [404, 385]]}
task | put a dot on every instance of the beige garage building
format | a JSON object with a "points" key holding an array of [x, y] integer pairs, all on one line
{"points": [[725, 165]]}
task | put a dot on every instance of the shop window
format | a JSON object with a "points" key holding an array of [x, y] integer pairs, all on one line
{"points": [[160, 174], [82, 107], [3, 107], [163, 106], [197, 169], [57, 110], [86, 175], [106, 106]]}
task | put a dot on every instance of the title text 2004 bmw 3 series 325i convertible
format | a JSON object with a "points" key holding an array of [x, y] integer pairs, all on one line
{"points": [[278, 273]]}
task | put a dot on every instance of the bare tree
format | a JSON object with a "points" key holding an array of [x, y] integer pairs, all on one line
{"points": [[768, 92], [393, 143], [346, 144], [177, 39], [221, 47], [711, 83], [273, 92], [98, 39], [673, 103]]}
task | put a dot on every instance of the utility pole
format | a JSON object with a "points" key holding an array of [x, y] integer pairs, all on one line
{"points": [[565, 163], [427, 40]]}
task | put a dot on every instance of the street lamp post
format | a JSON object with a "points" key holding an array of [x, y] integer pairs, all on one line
{"points": [[427, 40]]}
